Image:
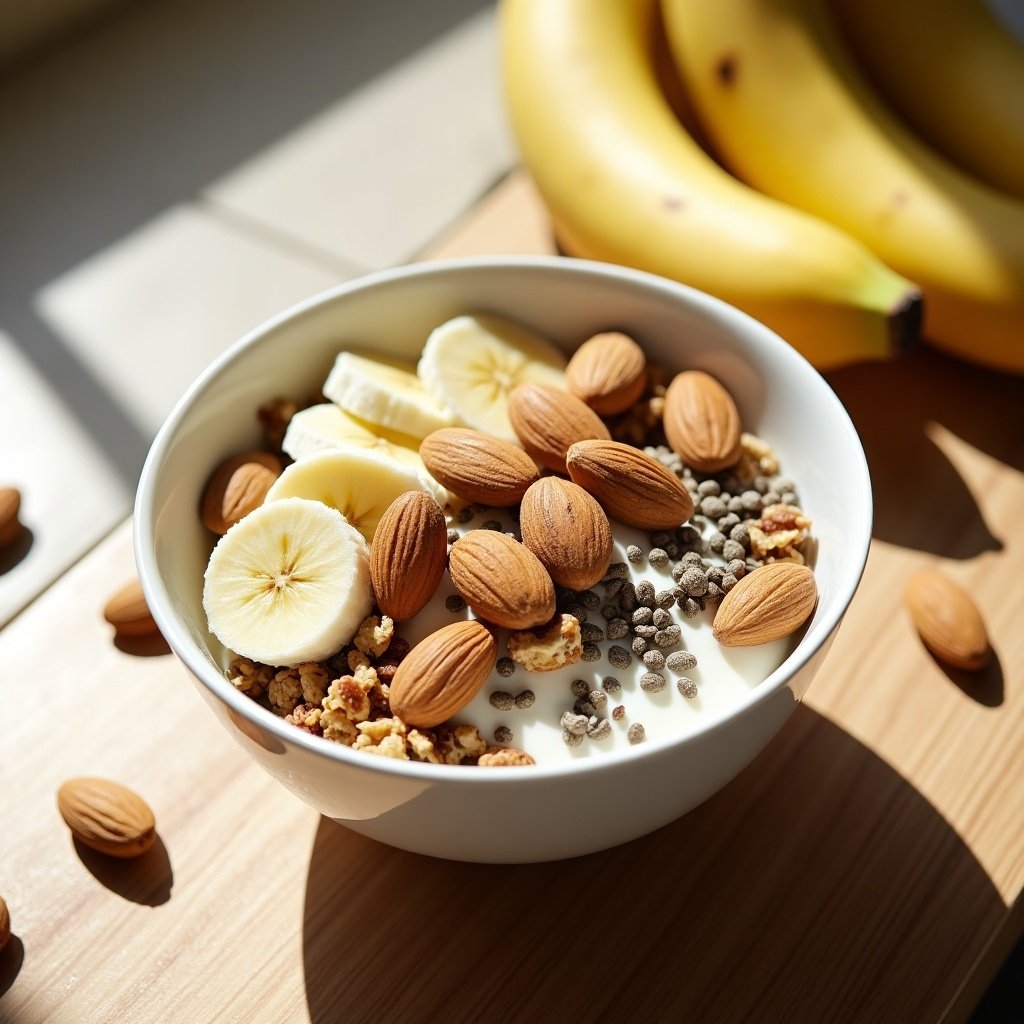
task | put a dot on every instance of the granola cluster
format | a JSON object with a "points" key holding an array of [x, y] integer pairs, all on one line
{"points": [[345, 700]]}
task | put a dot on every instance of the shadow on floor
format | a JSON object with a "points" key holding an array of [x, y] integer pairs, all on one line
{"points": [[742, 910]]}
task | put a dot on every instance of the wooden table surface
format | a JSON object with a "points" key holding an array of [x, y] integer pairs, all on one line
{"points": [[866, 867]]}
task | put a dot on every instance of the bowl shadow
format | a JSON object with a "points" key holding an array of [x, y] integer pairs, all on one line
{"points": [[745, 909], [921, 501]]}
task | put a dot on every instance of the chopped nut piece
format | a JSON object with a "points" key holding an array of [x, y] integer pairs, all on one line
{"points": [[250, 677], [374, 634], [559, 645], [502, 757]]}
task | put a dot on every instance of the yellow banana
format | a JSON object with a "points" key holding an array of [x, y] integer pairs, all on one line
{"points": [[625, 183], [953, 72], [791, 114]]}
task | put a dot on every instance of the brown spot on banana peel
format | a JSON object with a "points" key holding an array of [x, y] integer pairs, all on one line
{"points": [[673, 203], [904, 319], [727, 68]]}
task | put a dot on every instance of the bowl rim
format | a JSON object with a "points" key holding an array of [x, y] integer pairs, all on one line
{"points": [[181, 643]]}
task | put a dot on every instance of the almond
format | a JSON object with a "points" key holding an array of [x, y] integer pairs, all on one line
{"points": [[5, 924], [631, 486], [568, 531], [107, 816], [443, 673], [407, 555], [768, 603], [237, 486], [10, 506], [128, 612], [548, 420], [477, 466], [608, 372], [701, 422], [502, 580], [948, 621]]}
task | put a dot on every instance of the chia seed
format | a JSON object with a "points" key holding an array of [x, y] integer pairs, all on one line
{"points": [[727, 522], [609, 612], [737, 567], [715, 593], [619, 657], [613, 587], [691, 560], [662, 618], [645, 593], [741, 534], [636, 733], [664, 599], [788, 498], [503, 734], [501, 700], [454, 603], [690, 607], [600, 730], [634, 553], [709, 488], [584, 707], [578, 612], [505, 667], [716, 541], [617, 570], [694, 581], [628, 599], [453, 535], [525, 699], [658, 557], [591, 652], [573, 723], [464, 514], [728, 582], [687, 687], [672, 549], [491, 524], [579, 687], [591, 633], [734, 505], [667, 637], [639, 645], [642, 616], [677, 570], [652, 682], [660, 539], [619, 712], [611, 685], [713, 507], [590, 599], [732, 549], [680, 661], [654, 660], [571, 739], [598, 698], [617, 629], [751, 501], [645, 630]]}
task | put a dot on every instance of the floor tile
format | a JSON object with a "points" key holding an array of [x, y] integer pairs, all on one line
{"points": [[71, 495], [378, 176], [149, 313]]}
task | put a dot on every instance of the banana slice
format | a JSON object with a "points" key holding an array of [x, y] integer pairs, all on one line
{"points": [[471, 364], [385, 395], [288, 583], [359, 482], [322, 427]]}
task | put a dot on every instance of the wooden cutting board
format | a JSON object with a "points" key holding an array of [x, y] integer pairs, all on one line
{"points": [[868, 866]]}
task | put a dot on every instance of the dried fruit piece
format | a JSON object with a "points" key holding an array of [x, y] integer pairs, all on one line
{"points": [[107, 816], [502, 580], [407, 556], [10, 506], [632, 486], [702, 423], [128, 612], [477, 466], [236, 487], [948, 621], [769, 603], [443, 673], [547, 420], [566, 528], [608, 372]]}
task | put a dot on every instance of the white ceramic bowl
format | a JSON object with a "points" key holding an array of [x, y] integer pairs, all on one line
{"points": [[488, 814]]}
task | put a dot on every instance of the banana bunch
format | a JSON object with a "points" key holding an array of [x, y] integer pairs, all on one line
{"points": [[820, 213], [290, 581]]}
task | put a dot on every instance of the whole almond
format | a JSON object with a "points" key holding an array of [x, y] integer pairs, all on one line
{"points": [[128, 612], [502, 580], [702, 423], [548, 420], [568, 531], [236, 487], [10, 507], [631, 485], [5, 924], [608, 372], [107, 816], [478, 467], [407, 555], [443, 673], [767, 604], [948, 621]]}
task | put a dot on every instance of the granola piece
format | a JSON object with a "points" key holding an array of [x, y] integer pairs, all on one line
{"points": [[285, 690], [559, 644], [756, 459], [351, 695], [374, 634], [421, 746], [338, 727], [307, 718], [778, 534], [500, 757], [356, 659], [387, 666], [251, 677], [459, 744], [385, 737]]}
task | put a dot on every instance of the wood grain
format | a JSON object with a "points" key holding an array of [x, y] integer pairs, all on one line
{"points": [[862, 869]]}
